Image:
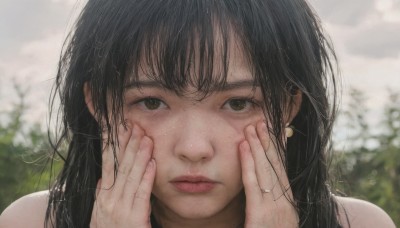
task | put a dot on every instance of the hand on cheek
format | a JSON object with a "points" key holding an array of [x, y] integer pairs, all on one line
{"points": [[265, 182], [124, 201]]}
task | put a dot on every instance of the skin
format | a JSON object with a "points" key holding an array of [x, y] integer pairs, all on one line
{"points": [[182, 136]]}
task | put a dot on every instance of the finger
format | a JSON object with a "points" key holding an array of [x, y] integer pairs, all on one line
{"points": [[141, 202], [93, 220], [124, 135], [274, 158], [127, 162], [107, 166], [264, 172], [249, 178], [136, 174], [108, 156], [269, 147], [133, 141]]}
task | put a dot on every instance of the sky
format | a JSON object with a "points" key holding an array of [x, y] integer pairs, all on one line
{"points": [[365, 34]]}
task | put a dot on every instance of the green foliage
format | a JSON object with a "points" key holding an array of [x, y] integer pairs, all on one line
{"points": [[370, 168], [24, 150]]}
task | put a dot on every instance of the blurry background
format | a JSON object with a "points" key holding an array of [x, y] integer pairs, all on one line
{"points": [[365, 33]]}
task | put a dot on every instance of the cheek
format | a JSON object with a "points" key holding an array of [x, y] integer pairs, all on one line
{"points": [[153, 127], [238, 126], [159, 130]]}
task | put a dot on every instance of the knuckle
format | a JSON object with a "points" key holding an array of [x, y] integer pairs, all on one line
{"points": [[141, 195], [108, 209], [104, 189], [104, 205], [123, 170], [119, 216], [108, 168], [130, 179], [266, 164]]}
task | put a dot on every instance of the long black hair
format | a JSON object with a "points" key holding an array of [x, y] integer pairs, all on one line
{"points": [[111, 40]]}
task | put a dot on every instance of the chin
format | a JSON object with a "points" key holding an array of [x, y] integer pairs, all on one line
{"points": [[195, 215], [193, 208], [196, 212]]}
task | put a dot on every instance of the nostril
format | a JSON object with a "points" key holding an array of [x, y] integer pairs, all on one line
{"points": [[190, 157], [194, 150]]}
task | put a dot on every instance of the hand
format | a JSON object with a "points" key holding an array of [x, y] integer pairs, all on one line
{"points": [[262, 169], [125, 202]]}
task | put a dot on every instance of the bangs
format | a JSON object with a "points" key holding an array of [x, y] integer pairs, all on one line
{"points": [[180, 44]]}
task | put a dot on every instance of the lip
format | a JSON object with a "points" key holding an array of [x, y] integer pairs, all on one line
{"points": [[193, 184]]}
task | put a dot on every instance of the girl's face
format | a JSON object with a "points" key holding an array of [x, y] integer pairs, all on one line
{"points": [[196, 142]]}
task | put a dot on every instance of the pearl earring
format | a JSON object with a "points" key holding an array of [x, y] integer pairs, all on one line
{"points": [[289, 131]]}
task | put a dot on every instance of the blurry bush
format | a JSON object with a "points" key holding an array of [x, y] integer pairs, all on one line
{"points": [[369, 167]]}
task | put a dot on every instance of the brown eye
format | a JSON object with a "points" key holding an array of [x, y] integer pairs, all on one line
{"points": [[152, 103], [238, 104]]}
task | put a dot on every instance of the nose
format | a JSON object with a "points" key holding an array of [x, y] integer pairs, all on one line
{"points": [[194, 141]]}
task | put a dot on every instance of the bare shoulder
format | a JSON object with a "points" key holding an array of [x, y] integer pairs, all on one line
{"points": [[28, 211], [360, 213]]}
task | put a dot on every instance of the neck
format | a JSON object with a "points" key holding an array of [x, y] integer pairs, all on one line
{"points": [[230, 216]]}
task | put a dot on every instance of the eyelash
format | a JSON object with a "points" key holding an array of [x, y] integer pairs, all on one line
{"points": [[142, 100], [253, 102]]}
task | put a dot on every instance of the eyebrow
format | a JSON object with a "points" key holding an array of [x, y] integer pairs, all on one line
{"points": [[228, 85]]}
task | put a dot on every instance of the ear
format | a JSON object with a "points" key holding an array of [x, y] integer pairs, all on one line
{"points": [[293, 106], [87, 91]]}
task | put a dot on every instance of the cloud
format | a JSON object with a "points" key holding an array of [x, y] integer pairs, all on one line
{"points": [[391, 13], [344, 12], [66, 2], [378, 41], [368, 28], [31, 34], [25, 20], [366, 36], [33, 68]]}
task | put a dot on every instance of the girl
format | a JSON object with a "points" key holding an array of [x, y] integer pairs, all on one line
{"points": [[195, 113]]}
